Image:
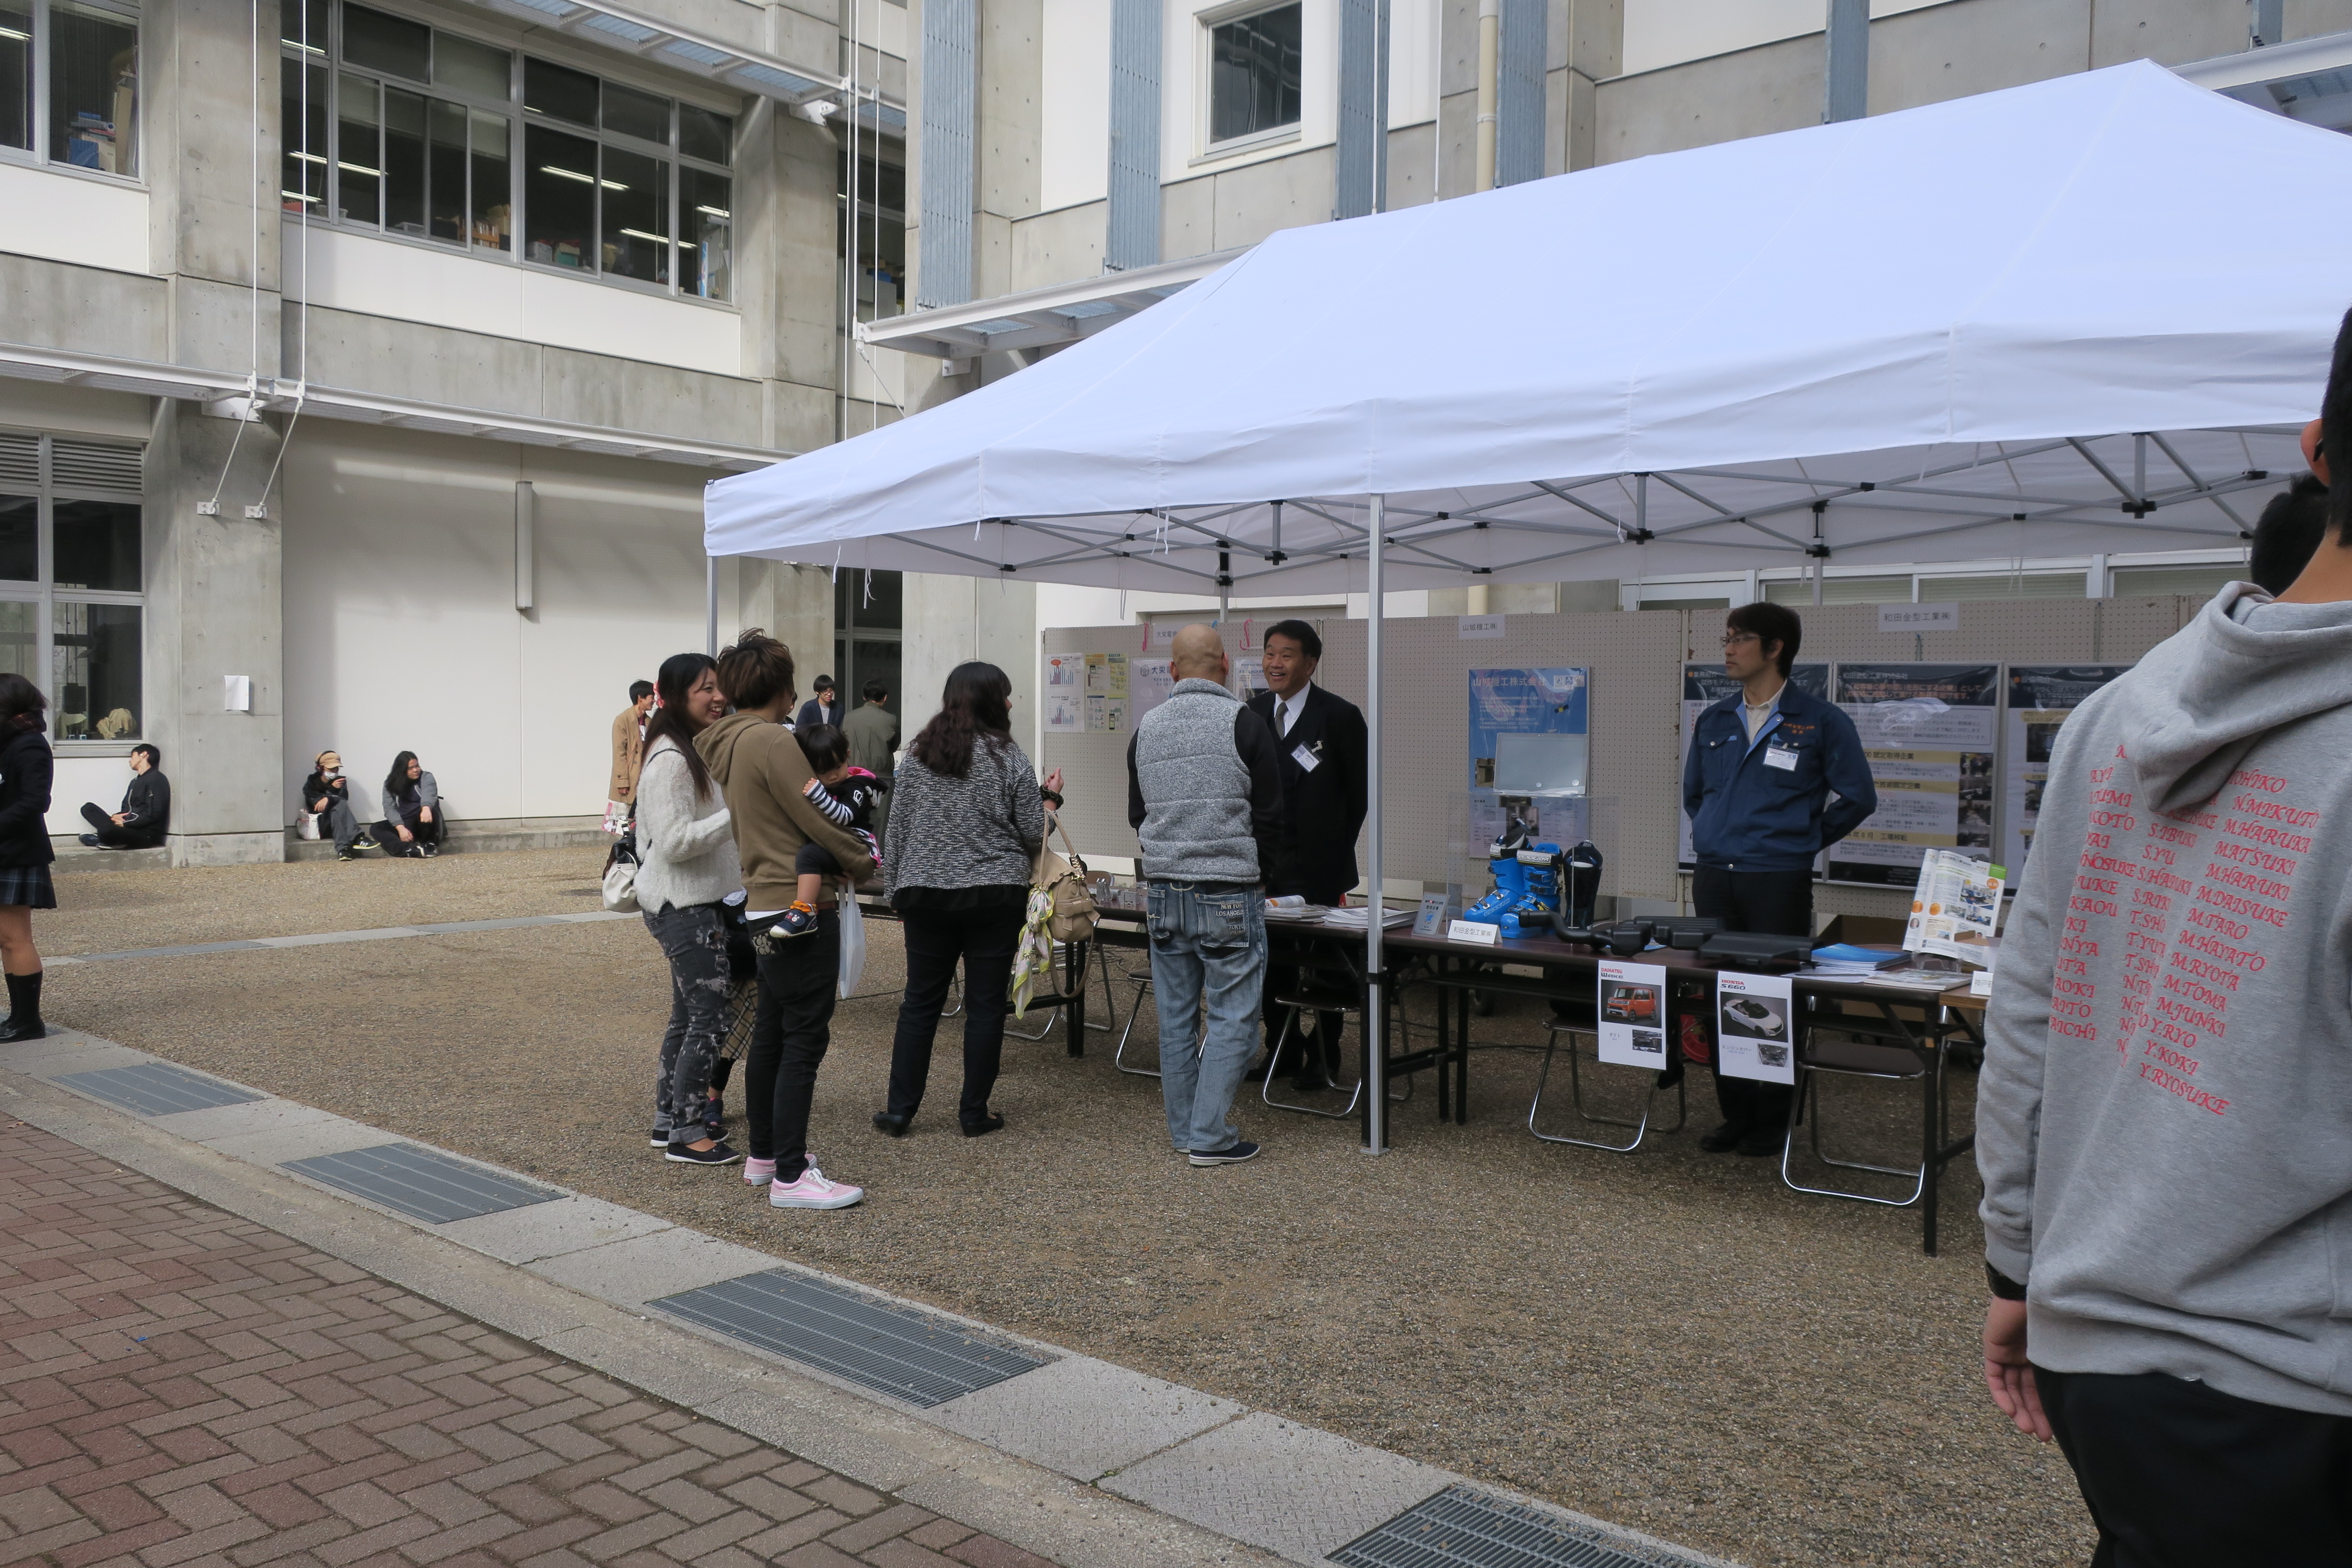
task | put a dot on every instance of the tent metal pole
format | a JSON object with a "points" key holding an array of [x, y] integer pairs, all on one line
{"points": [[711, 605], [1376, 1035]]}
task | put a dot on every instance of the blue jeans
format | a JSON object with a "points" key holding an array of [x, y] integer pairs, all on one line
{"points": [[1208, 951]]}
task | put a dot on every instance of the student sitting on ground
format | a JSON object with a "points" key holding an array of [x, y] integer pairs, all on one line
{"points": [[846, 795], [146, 813], [412, 810], [327, 795]]}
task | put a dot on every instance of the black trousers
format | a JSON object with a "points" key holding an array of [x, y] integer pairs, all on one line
{"points": [[112, 834], [387, 835], [1284, 883], [790, 1035], [984, 940], [2179, 1475], [1776, 903]]}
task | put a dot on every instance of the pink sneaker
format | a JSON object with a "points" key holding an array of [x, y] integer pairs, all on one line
{"points": [[758, 1172], [813, 1192]]}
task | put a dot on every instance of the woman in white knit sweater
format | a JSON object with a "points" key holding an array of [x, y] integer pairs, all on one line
{"points": [[686, 867]]}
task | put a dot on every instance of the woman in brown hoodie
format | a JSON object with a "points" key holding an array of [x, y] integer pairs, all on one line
{"points": [[764, 775]]}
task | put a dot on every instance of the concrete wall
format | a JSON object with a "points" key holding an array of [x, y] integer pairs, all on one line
{"points": [[951, 619]]}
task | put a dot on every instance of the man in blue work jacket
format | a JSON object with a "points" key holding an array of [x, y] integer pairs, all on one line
{"points": [[1773, 778]]}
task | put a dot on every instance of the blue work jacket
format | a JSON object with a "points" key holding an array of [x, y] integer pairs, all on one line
{"points": [[1748, 815]]}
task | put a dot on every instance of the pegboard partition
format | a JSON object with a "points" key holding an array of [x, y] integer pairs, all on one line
{"points": [[1636, 660]]}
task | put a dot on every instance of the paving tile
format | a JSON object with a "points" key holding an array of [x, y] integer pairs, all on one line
{"points": [[1084, 1417]]}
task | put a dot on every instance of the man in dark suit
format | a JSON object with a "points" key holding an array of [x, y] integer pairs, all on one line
{"points": [[825, 708], [1324, 746]]}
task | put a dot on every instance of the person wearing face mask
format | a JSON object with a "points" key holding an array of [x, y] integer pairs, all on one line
{"points": [[327, 795]]}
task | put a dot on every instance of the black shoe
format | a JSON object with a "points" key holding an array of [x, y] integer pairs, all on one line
{"points": [[1258, 1074], [1232, 1155], [1311, 1078], [1764, 1141], [364, 842], [345, 855], [717, 1154], [89, 840], [432, 851], [995, 1123], [1724, 1139], [892, 1123]]}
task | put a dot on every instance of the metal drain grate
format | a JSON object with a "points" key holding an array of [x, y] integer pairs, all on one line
{"points": [[1460, 1528], [424, 1184], [898, 1350], [158, 1089]]}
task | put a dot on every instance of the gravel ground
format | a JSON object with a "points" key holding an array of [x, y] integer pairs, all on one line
{"points": [[1670, 1340]]}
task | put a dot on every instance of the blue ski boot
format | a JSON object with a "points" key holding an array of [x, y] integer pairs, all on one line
{"points": [[1532, 915], [1510, 892]]}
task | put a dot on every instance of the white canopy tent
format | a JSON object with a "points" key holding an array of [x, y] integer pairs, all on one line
{"points": [[2086, 315]]}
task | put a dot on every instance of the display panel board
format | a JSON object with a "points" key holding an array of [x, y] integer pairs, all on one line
{"points": [[2040, 696], [1703, 686], [1931, 733]]}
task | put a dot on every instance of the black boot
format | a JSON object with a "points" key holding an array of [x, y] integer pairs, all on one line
{"points": [[23, 1009]]}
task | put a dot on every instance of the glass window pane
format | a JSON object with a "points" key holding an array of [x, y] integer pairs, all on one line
{"points": [[634, 113], [707, 227], [93, 88], [559, 91], [97, 544], [446, 171], [403, 161], [383, 43], [493, 196], [637, 215], [94, 671], [357, 157], [20, 641], [705, 135], [302, 176], [1253, 71], [20, 539], [16, 75], [560, 196], [303, 27], [471, 67]]}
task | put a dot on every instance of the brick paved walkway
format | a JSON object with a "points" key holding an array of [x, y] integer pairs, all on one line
{"points": [[179, 1386]]}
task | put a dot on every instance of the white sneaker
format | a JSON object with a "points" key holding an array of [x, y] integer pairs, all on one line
{"points": [[813, 1192]]}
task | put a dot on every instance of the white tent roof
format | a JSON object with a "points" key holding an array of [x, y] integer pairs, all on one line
{"points": [[1928, 336]]}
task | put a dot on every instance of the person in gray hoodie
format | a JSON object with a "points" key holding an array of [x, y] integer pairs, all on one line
{"points": [[2164, 1120], [1204, 797]]}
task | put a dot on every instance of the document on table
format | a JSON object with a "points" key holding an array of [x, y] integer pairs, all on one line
{"points": [[1755, 1023], [1632, 1013]]}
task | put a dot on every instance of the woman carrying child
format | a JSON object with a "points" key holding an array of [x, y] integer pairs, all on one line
{"points": [[966, 821]]}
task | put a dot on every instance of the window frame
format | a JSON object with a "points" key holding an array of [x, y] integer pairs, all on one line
{"points": [[1209, 19], [519, 120], [37, 157], [45, 596]]}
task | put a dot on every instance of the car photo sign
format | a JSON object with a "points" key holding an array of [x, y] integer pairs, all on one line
{"points": [[1632, 1013], [1756, 1025]]}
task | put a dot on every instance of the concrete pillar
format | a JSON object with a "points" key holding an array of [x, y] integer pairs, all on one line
{"points": [[951, 619], [794, 603], [789, 268], [1585, 44], [215, 606]]}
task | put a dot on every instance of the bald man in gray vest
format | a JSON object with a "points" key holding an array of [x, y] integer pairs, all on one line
{"points": [[1204, 797]]}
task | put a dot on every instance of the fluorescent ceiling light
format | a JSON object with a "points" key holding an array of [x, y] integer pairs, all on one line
{"points": [[297, 196], [355, 168], [567, 173], [641, 233], [11, 33], [613, 184], [714, 212], [313, 158]]}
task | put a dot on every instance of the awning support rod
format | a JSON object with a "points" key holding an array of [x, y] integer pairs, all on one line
{"points": [[1376, 1034]]}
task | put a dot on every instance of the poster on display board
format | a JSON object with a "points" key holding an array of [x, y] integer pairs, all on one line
{"points": [[1063, 693], [1703, 686], [1152, 684], [1930, 733], [1754, 1017], [2040, 696], [1529, 730], [1633, 1024]]}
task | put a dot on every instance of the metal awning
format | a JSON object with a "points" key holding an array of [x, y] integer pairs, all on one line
{"points": [[659, 39], [1047, 318], [106, 373], [2309, 80]]}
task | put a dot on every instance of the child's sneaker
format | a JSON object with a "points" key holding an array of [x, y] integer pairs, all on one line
{"points": [[758, 1172], [798, 921], [812, 1192]]}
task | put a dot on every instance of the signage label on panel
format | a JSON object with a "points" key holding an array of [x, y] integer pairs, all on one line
{"points": [[1475, 628], [1632, 1025], [1756, 1025], [1919, 617]]}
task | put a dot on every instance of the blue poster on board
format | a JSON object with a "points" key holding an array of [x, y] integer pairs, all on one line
{"points": [[1529, 730]]}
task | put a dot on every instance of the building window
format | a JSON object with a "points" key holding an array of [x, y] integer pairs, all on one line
{"points": [[406, 128], [72, 581], [83, 109], [1254, 73], [869, 621]]}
